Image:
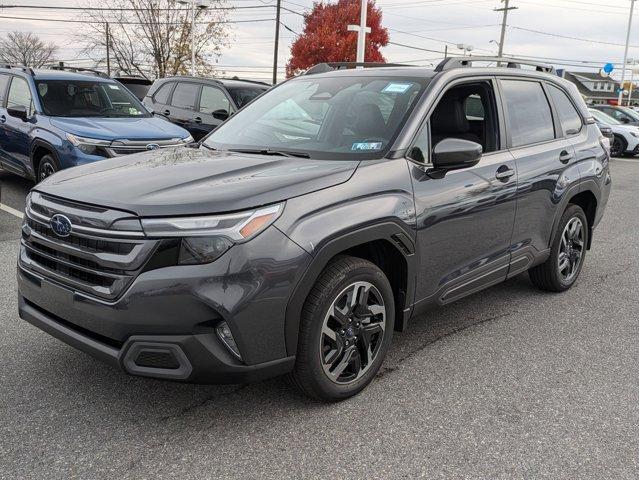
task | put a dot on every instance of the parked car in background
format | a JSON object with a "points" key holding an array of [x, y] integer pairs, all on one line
{"points": [[624, 115], [200, 104], [138, 86], [316, 221], [625, 139], [55, 119]]}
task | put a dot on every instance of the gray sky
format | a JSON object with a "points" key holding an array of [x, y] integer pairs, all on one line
{"points": [[601, 22]]}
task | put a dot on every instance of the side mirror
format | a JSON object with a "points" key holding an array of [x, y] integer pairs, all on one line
{"points": [[220, 114], [19, 111], [455, 153]]}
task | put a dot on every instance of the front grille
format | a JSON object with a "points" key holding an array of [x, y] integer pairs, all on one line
{"points": [[99, 261], [157, 359], [128, 147]]}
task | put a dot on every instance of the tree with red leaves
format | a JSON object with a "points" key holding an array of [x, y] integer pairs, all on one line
{"points": [[326, 38]]}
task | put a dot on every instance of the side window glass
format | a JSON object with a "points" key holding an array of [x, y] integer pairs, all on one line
{"points": [[474, 108], [20, 95], [420, 147], [4, 81], [162, 95], [185, 95], [212, 100], [529, 114], [568, 116]]}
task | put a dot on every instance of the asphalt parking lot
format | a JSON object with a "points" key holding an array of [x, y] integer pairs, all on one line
{"points": [[509, 383]]}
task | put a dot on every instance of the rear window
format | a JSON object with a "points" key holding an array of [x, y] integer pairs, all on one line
{"points": [[245, 95], [162, 95], [185, 95], [529, 114], [4, 81], [568, 117]]}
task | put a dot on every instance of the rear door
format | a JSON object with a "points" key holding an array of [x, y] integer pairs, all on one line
{"points": [[5, 79], [546, 166], [159, 102], [214, 108], [16, 132], [184, 103]]}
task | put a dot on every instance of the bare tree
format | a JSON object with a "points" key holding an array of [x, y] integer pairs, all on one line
{"points": [[153, 37], [19, 48]]}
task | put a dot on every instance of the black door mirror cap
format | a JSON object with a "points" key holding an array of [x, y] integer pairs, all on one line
{"points": [[221, 114], [19, 111], [456, 153]]}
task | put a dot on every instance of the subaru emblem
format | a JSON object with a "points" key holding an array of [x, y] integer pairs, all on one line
{"points": [[152, 146], [60, 225]]}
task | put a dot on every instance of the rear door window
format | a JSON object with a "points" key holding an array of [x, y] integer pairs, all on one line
{"points": [[162, 95], [185, 95], [568, 116], [213, 100], [529, 115], [4, 81]]}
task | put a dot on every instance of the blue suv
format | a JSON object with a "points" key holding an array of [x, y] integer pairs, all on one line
{"points": [[53, 119]]}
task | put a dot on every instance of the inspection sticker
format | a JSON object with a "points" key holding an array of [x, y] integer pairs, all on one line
{"points": [[396, 87], [366, 146], [114, 87]]}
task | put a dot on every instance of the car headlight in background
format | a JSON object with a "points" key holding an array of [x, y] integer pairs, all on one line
{"points": [[90, 146], [206, 238]]}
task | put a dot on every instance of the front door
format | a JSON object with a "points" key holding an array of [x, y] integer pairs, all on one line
{"points": [[214, 108], [15, 135], [464, 217]]}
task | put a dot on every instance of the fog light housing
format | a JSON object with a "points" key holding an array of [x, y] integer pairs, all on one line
{"points": [[224, 332]]}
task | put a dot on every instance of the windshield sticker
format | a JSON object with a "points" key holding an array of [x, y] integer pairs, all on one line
{"points": [[43, 88], [397, 87], [114, 87], [366, 146]]}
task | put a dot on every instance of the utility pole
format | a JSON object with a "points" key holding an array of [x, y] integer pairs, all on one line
{"points": [[504, 22], [192, 38], [361, 30], [625, 54], [108, 49], [277, 39]]}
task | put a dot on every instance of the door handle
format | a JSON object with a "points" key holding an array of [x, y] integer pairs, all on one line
{"points": [[3, 119], [565, 156], [504, 174], [166, 112], [197, 119]]}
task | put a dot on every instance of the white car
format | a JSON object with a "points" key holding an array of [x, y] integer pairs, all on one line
{"points": [[626, 141]]}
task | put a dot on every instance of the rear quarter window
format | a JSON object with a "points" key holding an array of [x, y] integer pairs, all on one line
{"points": [[568, 116], [529, 115], [162, 95]]}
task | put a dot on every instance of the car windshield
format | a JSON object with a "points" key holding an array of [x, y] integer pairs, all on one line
{"points": [[604, 118], [354, 117], [244, 95], [631, 113], [73, 98]]}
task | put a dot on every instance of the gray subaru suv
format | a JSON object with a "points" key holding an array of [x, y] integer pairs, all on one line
{"points": [[315, 222]]}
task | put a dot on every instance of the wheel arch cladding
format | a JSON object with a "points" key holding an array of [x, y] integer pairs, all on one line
{"points": [[588, 203], [39, 150], [386, 245]]}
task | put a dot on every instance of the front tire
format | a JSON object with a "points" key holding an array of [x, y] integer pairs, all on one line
{"points": [[618, 147], [345, 330], [48, 166], [567, 253]]}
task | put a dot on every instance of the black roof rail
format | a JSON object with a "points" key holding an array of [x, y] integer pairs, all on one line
{"points": [[90, 71], [28, 70], [235, 77], [511, 62], [329, 67]]}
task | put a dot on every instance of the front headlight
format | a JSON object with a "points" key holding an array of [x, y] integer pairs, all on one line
{"points": [[206, 238], [90, 146]]}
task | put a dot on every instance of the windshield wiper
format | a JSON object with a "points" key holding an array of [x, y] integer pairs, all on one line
{"points": [[281, 153]]}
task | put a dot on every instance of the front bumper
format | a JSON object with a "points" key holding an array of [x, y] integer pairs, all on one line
{"points": [[170, 314]]}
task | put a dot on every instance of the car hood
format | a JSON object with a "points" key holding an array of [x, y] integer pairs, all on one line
{"points": [[189, 181], [624, 128], [149, 128]]}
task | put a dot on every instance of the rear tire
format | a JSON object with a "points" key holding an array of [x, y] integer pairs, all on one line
{"points": [[618, 147], [345, 330], [48, 166], [567, 253]]}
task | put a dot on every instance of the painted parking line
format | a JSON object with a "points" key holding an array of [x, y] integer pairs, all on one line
{"points": [[629, 160], [12, 211]]}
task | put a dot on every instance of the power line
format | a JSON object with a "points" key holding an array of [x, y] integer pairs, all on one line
{"points": [[568, 37], [253, 20]]}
